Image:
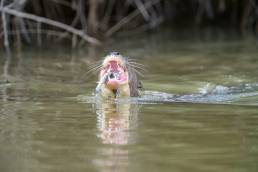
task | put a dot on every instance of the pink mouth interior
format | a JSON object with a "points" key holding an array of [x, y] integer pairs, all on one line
{"points": [[116, 74]]}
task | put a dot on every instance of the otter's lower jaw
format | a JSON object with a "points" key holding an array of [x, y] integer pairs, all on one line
{"points": [[122, 91]]}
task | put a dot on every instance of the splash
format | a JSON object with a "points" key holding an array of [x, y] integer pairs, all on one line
{"points": [[245, 94]]}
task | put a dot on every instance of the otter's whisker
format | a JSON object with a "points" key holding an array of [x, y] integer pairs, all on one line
{"points": [[138, 67], [133, 62], [93, 69], [138, 72], [138, 64], [95, 64], [130, 58]]}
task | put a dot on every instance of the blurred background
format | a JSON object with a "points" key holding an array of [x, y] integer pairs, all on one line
{"points": [[36, 22]]}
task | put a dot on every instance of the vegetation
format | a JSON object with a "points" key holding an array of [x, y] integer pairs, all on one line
{"points": [[92, 21]]}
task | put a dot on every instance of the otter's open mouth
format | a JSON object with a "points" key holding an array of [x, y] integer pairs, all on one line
{"points": [[113, 75]]}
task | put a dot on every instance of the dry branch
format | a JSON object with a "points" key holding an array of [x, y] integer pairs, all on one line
{"points": [[5, 30], [51, 23], [84, 19], [128, 18], [142, 9]]}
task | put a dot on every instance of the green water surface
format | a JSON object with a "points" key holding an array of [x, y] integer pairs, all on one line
{"points": [[47, 124]]}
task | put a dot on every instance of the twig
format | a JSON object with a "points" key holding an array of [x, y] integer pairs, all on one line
{"points": [[51, 23], [128, 18], [80, 16], [39, 34], [81, 10], [5, 30], [19, 5], [35, 31], [246, 13], [23, 29], [142, 9], [106, 18], [92, 16], [6, 73]]}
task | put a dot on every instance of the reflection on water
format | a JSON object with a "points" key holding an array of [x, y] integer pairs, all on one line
{"points": [[116, 121], [112, 159], [117, 124]]}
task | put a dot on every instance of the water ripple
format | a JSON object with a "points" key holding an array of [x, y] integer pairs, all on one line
{"points": [[212, 94]]}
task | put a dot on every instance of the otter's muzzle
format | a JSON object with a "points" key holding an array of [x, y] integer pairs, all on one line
{"points": [[111, 79]]}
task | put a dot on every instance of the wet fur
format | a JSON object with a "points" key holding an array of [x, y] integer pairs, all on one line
{"points": [[134, 83]]}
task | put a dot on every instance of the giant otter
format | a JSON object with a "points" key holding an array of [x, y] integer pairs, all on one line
{"points": [[117, 77]]}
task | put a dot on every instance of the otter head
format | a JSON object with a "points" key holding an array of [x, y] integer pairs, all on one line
{"points": [[114, 77]]}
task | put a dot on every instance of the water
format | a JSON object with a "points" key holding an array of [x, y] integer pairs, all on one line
{"points": [[198, 111]]}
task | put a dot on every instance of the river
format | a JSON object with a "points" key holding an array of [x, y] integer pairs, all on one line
{"points": [[198, 110]]}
